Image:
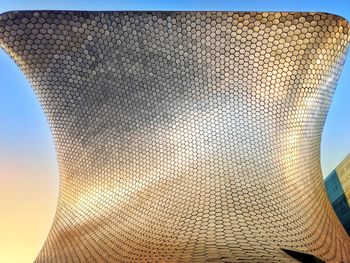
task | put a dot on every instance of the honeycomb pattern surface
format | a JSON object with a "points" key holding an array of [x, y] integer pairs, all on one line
{"points": [[185, 136]]}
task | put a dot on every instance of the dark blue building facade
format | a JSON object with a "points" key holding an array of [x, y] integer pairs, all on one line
{"points": [[338, 199]]}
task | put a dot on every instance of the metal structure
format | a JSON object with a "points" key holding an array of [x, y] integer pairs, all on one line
{"points": [[185, 136]]}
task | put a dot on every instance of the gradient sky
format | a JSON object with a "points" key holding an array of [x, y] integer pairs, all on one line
{"points": [[28, 166]]}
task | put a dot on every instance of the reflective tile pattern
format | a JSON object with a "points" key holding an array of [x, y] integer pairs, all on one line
{"points": [[185, 136]]}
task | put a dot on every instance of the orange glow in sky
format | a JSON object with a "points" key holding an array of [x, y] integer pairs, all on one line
{"points": [[27, 207]]}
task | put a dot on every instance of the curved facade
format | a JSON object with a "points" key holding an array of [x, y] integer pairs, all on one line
{"points": [[185, 136]]}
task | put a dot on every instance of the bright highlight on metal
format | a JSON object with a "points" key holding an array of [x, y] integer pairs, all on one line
{"points": [[185, 136]]}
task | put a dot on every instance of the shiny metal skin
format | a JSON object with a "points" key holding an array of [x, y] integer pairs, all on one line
{"points": [[185, 136]]}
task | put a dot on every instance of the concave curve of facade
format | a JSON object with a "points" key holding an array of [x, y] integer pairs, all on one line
{"points": [[185, 136]]}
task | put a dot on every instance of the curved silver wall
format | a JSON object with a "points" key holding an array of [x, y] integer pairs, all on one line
{"points": [[185, 136]]}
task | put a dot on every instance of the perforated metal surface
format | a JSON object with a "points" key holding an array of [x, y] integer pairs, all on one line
{"points": [[185, 136]]}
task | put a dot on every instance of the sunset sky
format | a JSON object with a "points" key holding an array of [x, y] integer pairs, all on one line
{"points": [[28, 165]]}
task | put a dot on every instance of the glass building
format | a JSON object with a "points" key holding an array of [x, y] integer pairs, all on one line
{"points": [[338, 189]]}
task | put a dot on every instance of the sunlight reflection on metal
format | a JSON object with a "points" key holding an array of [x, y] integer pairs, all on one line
{"points": [[185, 136]]}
